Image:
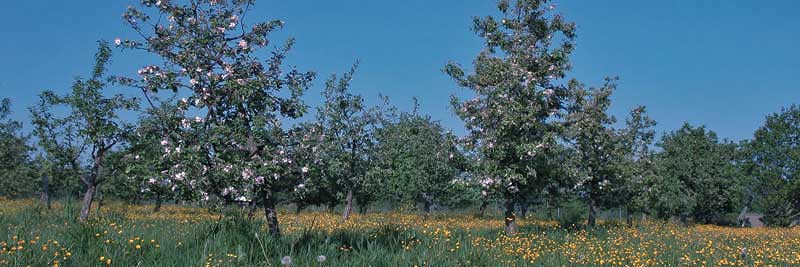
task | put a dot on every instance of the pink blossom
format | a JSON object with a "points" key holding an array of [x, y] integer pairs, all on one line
{"points": [[243, 44], [117, 42]]}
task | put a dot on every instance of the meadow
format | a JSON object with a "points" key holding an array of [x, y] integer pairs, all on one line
{"points": [[126, 235]]}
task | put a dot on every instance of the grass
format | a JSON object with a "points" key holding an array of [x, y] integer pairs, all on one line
{"points": [[185, 236]]}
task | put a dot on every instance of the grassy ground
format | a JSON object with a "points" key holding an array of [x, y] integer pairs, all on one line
{"points": [[185, 236]]}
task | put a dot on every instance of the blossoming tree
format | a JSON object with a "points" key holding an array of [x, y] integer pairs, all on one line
{"points": [[513, 118], [598, 144], [209, 52]]}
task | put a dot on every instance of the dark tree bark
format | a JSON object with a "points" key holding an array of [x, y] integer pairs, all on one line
{"points": [[523, 208], [482, 209], [157, 208], [592, 212], [362, 208], [332, 206]]}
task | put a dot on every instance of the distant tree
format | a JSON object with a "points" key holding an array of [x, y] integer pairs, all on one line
{"points": [[637, 163], [417, 160], [348, 126], [774, 162], [512, 119], [17, 175], [243, 92], [599, 147], [695, 176], [89, 130]]}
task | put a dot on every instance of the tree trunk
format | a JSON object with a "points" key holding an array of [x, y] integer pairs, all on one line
{"points": [[628, 217], [592, 213], [332, 206], [45, 197], [251, 213], [100, 199], [362, 208], [511, 221], [86, 204], [271, 214], [427, 207], [157, 208], [348, 206], [523, 208], [482, 209]]}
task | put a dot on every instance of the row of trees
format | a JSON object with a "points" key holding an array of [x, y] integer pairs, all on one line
{"points": [[219, 124]]}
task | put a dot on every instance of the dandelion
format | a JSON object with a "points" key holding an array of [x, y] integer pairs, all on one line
{"points": [[321, 258]]}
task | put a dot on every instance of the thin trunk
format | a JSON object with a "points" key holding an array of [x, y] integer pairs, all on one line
{"points": [[362, 208], [271, 213], [482, 209], [592, 213], [100, 199], [45, 197], [523, 208], [427, 207], [86, 204], [348, 206], [628, 217], [332, 206], [299, 208], [157, 208], [511, 221], [251, 213]]}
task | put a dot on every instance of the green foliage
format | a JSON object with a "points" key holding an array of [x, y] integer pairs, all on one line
{"points": [[348, 127], [417, 161], [773, 161], [572, 214], [695, 176], [512, 119], [18, 175], [599, 146], [238, 149], [85, 135]]}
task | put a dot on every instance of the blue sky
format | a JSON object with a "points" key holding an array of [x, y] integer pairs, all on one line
{"points": [[723, 64]]}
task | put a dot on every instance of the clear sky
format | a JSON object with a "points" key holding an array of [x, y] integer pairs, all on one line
{"points": [[723, 64]]}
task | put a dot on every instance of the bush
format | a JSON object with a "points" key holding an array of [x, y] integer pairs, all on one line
{"points": [[571, 215]]}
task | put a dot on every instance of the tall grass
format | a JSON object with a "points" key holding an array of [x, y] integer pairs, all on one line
{"points": [[180, 236]]}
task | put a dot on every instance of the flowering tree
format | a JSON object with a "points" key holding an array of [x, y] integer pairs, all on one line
{"points": [[598, 145], [211, 54], [154, 167], [90, 128], [512, 119], [348, 126]]}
